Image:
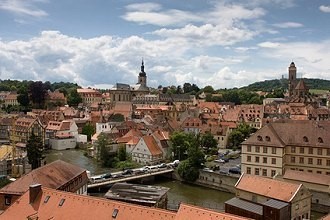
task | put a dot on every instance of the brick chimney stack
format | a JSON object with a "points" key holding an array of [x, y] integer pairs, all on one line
{"points": [[34, 191]]}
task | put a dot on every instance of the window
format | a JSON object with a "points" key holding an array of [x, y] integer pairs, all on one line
{"points": [[114, 213], [7, 200], [310, 171], [267, 138], [273, 172], [273, 160], [293, 159], [301, 160], [248, 148], [265, 150], [248, 170], [305, 139], [248, 159], [319, 151], [319, 172], [46, 199], [264, 172], [257, 159], [264, 159], [259, 138], [319, 161], [273, 150], [320, 140], [328, 152], [301, 150], [293, 149], [310, 150], [256, 171], [328, 163], [310, 160], [257, 149]]}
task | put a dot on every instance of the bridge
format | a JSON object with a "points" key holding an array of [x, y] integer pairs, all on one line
{"points": [[131, 177]]}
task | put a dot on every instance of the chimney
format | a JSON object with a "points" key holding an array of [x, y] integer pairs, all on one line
{"points": [[34, 191]]}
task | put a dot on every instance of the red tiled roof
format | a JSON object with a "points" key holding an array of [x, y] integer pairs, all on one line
{"points": [[270, 188], [190, 212], [307, 177], [152, 145], [52, 175], [79, 207]]}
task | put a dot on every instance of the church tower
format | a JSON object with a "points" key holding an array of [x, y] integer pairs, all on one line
{"points": [[142, 79], [292, 78]]}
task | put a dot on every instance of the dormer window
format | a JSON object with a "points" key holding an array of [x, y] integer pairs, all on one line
{"points": [[267, 138], [259, 138], [305, 139], [320, 140]]}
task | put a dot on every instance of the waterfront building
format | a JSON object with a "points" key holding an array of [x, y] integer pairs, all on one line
{"points": [[147, 151], [40, 202], [22, 129], [263, 198], [58, 175], [61, 135]]}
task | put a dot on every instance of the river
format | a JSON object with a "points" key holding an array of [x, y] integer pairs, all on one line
{"points": [[179, 192]]}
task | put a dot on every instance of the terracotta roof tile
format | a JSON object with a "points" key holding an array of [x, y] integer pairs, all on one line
{"points": [[52, 175], [270, 188], [80, 207], [152, 145], [190, 212]]}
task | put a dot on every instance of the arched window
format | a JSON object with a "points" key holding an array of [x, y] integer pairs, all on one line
{"points": [[320, 140], [267, 138], [259, 138], [305, 139]]}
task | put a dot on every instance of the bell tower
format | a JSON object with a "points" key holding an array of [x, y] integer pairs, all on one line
{"points": [[292, 78], [142, 79]]}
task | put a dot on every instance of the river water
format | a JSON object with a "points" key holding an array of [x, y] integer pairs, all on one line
{"points": [[179, 192]]}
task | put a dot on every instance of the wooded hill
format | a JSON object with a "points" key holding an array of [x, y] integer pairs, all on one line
{"points": [[270, 85]]}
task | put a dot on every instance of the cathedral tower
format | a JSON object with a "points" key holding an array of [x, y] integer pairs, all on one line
{"points": [[292, 78], [142, 79]]}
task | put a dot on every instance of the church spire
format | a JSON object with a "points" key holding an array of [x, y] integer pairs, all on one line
{"points": [[142, 66]]}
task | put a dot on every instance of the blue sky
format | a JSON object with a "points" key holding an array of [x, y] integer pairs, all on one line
{"points": [[221, 43]]}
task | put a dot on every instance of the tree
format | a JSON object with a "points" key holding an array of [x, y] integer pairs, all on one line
{"points": [[208, 89], [103, 154], [242, 132], [34, 151], [74, 98], [88, 130], [122, 153], [187, 171], [208, 143], [117, 117], [23, 99], [37, 94], [187, 88]]}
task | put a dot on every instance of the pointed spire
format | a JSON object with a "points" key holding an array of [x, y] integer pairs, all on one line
{"points": [[142, 66]]}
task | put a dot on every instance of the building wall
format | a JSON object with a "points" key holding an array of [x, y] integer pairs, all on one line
{"points": [[262, 160], [142, 155], [312, 159], [217, 181], [62, 144]]}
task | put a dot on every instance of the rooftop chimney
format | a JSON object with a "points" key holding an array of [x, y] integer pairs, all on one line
{"points": [[34, 191]]}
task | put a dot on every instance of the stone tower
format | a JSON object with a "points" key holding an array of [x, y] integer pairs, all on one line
{"points": [[292, 78], [142, 79]]}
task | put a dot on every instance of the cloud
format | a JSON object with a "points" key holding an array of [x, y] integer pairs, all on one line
{"points": [[288, 25], [325, 8], [269, 44], [23, 7], [146, 7]]}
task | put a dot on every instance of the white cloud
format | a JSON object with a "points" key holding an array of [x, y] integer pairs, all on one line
{"points": [[23, 7], [146, 7], [269, 44], [325, 8], [288, 25]]}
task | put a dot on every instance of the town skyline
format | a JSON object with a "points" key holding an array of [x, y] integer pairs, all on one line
{"points": [[224, 44]]}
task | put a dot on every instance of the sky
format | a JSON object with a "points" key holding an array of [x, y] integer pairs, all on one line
{"points": [[222, 43]]}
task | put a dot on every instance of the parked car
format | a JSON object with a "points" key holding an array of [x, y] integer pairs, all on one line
{"points": [[162, 165], [219, 161], [235, 170], [127, 172], [106, 176], [175, 163]]}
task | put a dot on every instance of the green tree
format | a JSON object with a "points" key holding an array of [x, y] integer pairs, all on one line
{"points": [[122, 156], [74, 98], [34, 151], [187, 171], [88, 130], [208, 143], [103, 154], [37, 93], [208, 89], [117, 118], [242, 132]]}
